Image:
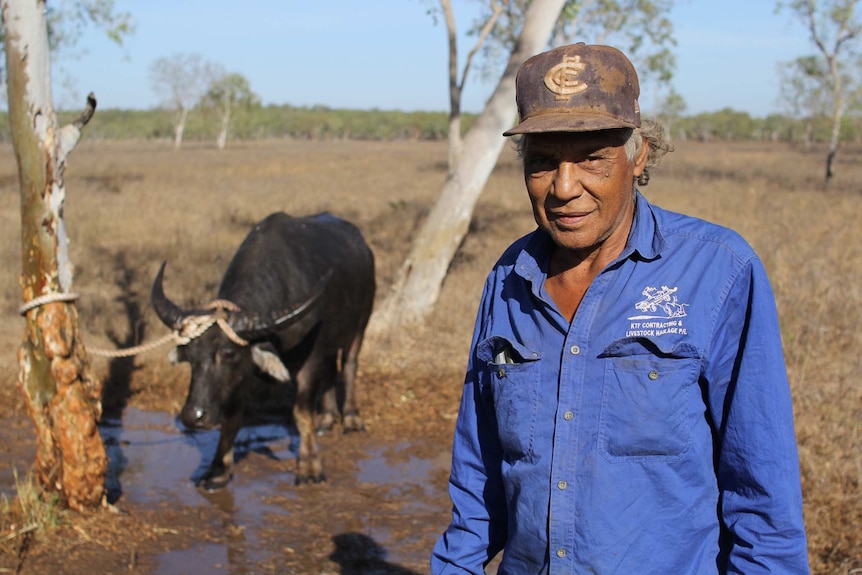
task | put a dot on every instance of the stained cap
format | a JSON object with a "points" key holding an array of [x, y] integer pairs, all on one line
{"points": [[576, 88]]}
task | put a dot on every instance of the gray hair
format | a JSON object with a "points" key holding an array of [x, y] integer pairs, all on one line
{"points": [[654, 135]]}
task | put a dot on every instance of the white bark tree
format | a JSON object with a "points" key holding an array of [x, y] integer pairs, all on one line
{"points": [[521, 28], [63, 398], [834, 28], [418, 281], [227, 93], [180, 80]]}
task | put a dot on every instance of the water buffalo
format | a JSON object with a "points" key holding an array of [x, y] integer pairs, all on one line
{"points": [[295, 301]]}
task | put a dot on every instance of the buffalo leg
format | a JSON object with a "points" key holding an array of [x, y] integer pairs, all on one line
{"points": [[221, 468], [309, 468], [350, 418], [329, 399]]}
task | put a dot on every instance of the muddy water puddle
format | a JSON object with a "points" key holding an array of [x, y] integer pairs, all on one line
{"points": [[380, 510]]}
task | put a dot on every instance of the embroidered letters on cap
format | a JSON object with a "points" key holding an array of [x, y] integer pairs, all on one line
{"points": [[564, 78]]}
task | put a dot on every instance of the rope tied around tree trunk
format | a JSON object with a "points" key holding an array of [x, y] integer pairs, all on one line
{"points": [[46, 298], [191, 327]]}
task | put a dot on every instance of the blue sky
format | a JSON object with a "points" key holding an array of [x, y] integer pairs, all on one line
{"points": [[389, 54]]}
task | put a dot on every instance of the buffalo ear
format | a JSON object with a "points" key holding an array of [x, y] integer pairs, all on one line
{"points": [[266, 358]]}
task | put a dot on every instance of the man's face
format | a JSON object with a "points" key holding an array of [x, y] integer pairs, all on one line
{"points": [[580, 185]]}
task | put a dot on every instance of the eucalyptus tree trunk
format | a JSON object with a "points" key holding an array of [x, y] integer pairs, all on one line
{"points": [[837, 114], [221, 141], [63, 399], [418, 281], [180, 126], [454, 137]]}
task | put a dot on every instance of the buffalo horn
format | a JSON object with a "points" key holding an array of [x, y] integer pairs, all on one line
{"points": [[170, 313], [251, 326]]}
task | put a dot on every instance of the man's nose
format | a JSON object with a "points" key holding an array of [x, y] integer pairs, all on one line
{"points": [[567, 182]]}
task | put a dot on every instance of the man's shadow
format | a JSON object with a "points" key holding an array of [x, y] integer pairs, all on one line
{"points": [[358, 554]]}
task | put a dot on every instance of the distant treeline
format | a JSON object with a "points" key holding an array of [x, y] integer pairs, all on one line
{"points": [[322, 123]]}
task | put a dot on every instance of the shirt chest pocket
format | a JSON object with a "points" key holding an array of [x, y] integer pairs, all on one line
{"points": [[646, 399], [513, 375]]}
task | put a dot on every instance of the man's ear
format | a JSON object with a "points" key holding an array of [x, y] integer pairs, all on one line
{"points": [[265, 356]]}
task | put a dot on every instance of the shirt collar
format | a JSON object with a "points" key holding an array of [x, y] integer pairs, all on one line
{"points": [[532, 261], [645, 238], [645, 242]]}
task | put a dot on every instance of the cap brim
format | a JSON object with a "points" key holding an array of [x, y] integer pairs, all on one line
{"points": [[568, 122]]}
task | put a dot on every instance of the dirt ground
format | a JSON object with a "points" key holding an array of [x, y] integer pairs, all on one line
{"points": [[131, 205]]}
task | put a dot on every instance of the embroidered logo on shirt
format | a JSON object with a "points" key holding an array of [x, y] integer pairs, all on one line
{"points": [[662, 313]]}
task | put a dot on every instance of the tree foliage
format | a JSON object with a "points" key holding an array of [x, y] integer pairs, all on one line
{"points": [[640, 28], [68, 20], [323, 123]]}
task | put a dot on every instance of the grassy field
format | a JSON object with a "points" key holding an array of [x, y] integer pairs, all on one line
{"points": [[131, 205]]}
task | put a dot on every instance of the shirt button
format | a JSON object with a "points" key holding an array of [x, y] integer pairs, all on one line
{"points": [[562, 485], [501, 372], [575, 350], [561, 552], [653, 375], [568, 416]]}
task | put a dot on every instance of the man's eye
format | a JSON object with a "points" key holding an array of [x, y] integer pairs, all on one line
{"points": [[539, 164]]}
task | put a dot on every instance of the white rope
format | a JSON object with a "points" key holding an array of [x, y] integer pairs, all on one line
{"points": [[47, 298], [192, 327]]}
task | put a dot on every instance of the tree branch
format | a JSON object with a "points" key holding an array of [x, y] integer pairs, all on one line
{"points": [[88, 112], [496, 10], [71, 133]]}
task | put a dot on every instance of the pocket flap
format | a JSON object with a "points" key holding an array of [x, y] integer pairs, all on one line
{"points": [[659, 347]]}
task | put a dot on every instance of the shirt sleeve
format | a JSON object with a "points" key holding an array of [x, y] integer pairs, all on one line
{"points": [[757, 462], [477, 531]]}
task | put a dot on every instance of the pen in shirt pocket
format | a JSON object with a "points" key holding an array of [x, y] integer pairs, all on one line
{"points": [[503, 357]]}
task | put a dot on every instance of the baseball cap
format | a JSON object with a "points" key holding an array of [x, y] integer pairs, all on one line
{"points": [[576, 88]]}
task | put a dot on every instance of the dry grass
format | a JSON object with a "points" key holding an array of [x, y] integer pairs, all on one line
{"points": [[131, 205], [30, 513], [810, 243]]}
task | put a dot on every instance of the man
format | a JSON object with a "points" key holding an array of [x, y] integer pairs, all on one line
{"points": [[626, 407]]}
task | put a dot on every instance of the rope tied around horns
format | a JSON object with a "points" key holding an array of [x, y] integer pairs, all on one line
{"points": [[191, 327]]}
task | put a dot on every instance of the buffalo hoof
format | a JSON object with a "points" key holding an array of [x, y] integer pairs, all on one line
{"points": [[213, 482], [352, 422], [325, 422], [305, 479]]}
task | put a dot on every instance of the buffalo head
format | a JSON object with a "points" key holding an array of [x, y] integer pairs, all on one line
{"points": [[219, 361]]}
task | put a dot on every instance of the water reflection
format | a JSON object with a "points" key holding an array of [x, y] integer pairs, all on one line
{"points": [[150, 454], [263, 521]]}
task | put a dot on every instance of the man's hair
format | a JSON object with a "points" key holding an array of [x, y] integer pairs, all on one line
{"points": [[651, 132]]}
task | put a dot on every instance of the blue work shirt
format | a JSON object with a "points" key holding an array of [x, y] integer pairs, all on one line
{"points": [[653, 434]]}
